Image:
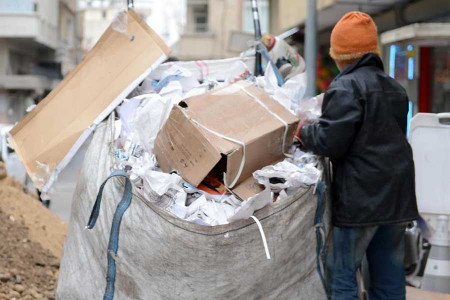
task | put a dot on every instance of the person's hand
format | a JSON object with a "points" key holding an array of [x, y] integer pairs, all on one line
{"points": [[297, 132]]}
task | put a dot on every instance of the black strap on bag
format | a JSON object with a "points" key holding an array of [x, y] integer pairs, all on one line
{"points": [[113, 244]]}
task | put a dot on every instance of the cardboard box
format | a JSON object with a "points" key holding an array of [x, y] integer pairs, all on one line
{"points": [[49, 136], [192, 141]]}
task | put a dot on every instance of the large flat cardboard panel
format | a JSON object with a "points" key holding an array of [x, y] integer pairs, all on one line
{"points": [[50, 135], [234, 113]]}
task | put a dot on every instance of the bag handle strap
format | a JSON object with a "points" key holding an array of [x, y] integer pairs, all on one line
{"points": [[113, 244]]}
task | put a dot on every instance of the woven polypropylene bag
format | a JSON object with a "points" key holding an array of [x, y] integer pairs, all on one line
{"points": [[163, 257]]}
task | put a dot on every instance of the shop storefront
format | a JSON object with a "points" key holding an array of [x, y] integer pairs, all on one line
{"points": [[418, 57]]}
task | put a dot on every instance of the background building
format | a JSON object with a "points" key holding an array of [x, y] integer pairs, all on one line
{"points": [[39, 44], [166, 17], [219, 28], [98, 15], [42, 40], [224, 28]]}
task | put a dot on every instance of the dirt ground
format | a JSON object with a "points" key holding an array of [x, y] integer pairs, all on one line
{"points": [[31, 248], [44, 226]]}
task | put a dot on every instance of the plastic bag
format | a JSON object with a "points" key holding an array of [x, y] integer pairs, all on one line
{"points": [[300, 158], [289, 94], [286, 175], [310, 110], [120, 23]]}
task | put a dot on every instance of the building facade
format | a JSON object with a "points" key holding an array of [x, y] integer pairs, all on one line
{"points": [[165, 17], [219, 28], [39, 44]]}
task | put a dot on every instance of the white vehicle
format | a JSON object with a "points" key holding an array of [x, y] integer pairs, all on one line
{"points": [[14, 167]]}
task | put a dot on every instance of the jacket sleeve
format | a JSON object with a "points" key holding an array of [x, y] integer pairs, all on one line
{"points": [[334, 133], [401, 107]]}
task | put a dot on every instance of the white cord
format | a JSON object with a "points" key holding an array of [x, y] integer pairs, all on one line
{"points": [[241, 167], [263, 236], [285, 124]]}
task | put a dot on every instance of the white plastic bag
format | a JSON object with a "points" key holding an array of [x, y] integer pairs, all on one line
{"points": [[310, 110], [289, 94], [285, 175]]}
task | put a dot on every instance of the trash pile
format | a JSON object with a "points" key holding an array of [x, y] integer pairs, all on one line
{"points": [[206, 140], [204, 144], [208, 200]]}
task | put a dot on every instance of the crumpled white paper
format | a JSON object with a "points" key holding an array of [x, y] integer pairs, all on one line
{"points": [[160, 183], [286, 175], [210, 212], [142, 117], [253, 204]]}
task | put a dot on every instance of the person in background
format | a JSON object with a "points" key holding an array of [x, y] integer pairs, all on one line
{"points": [[363, 131]]}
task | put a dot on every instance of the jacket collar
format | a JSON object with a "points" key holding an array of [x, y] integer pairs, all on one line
{"points": [[368, 60]]}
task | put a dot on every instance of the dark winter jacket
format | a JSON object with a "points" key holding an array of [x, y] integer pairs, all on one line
{"points": [[363, 131]]}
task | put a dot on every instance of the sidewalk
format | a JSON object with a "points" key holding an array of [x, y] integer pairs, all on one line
{"points": [[417, 294]]}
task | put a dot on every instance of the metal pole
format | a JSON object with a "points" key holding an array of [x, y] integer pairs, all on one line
{"points": [[311, 48], [130, 4], [258, 36]]}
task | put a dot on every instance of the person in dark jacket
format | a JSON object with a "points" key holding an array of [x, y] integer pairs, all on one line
{"points": [[363, 131]]}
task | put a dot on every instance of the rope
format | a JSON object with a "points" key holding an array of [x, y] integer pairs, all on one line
{"points": [[241, 167], [285, 124], [263, 236]]}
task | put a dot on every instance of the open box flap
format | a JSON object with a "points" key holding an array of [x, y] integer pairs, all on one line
{"points": [[186, 151], [48, 137]]}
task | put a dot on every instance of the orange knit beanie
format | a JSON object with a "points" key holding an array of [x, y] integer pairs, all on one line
{"points": [[353, 36]]}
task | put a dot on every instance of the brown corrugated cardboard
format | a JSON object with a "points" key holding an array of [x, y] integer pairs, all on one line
{"points": [[48, 137], [192, 140], [248, 188]]}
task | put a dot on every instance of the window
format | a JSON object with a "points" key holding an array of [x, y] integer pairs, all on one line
{"points": [[22, 6], [199, 17], [263, 9]]}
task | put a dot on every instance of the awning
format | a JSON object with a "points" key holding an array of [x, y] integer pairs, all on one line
{"points": [[422, 34]]}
